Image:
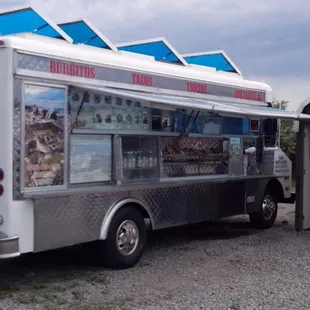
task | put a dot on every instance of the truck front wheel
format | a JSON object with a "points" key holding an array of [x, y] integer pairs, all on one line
{"points": [[267, 215], [126, 240]]}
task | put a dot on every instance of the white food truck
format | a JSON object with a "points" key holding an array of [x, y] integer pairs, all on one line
{"points": [[99, 145]]}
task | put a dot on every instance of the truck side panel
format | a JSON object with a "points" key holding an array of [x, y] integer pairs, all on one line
{"points": [[6, 134], [21, 210], [64, 221], [17, 215]]}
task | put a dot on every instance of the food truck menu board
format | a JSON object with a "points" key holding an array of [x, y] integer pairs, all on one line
{"points": [[90, 159], [44, 110], [99, 111]]}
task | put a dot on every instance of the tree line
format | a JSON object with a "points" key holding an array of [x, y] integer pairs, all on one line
{"points": [[287, 133]]}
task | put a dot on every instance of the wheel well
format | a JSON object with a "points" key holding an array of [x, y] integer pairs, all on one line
{"points": [[125, 203], [275, 187], [138, 207]]}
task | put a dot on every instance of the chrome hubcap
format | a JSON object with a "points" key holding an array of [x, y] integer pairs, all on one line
{"points": [[127, 237], [269, 207]]}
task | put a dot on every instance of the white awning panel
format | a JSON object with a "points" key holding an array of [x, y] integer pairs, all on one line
{"points": [[226, 109]]}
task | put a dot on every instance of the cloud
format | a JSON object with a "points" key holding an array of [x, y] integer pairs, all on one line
{"points": [[242, 15], [261, 37], [237, 17], [266, 39], [293, 89]]}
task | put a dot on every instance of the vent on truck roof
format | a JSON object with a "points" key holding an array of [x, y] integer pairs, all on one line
{"points": [[159, 48], [215, 59], [27, 19], [83, 32]]}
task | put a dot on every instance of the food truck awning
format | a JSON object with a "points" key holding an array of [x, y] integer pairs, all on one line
{"points": [[159, 48], [173, 102], [215, 59], [27, 19], [83, 32]]}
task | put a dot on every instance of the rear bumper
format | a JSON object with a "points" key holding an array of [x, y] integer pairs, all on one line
{"points": [[9, 246]]}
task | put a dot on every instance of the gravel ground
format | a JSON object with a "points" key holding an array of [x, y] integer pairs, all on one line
{"points": [[225, 265]]}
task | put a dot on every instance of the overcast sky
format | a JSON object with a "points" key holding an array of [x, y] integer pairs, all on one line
{"points": [[267, 40]]}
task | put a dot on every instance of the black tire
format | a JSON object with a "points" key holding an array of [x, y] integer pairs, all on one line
{"points": [[260, 219], [110, 254]]}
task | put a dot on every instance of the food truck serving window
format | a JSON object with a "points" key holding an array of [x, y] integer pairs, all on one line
{"points": [[91, 110], [270, 130], [90, 159]]}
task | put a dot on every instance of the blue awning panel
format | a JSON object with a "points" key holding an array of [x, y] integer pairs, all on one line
{"points": [[29, 20], [217, 60], [160, 49], [82, 32]]}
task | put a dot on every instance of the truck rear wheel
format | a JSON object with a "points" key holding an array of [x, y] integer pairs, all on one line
{"points": [[126, 240], [267, 215]]}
